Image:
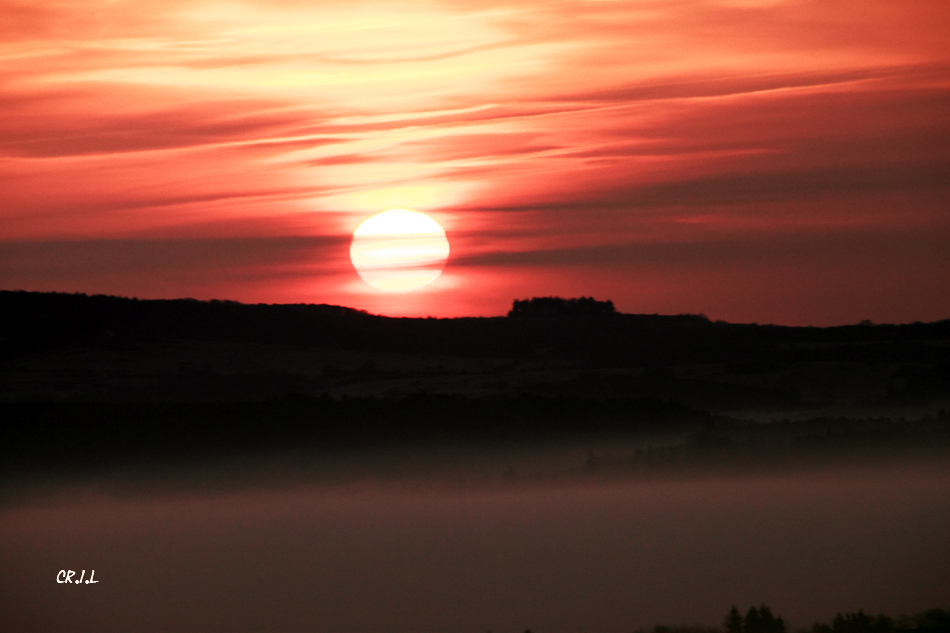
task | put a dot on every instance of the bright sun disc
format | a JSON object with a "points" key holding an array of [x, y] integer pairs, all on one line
{"points": [[399, 250]]}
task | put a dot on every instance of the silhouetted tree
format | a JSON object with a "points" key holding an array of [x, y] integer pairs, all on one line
{"points": [[936, 620], [556, 306], [860, 622], [752, 623], [771, 623], [733, 621], [761, 620]]}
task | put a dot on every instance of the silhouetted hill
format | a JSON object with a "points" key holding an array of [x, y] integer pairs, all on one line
{"points": [[77, 348], [588, 330], [106, 380]]}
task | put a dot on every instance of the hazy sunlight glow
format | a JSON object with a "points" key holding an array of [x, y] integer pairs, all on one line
{"points": [[399, 250]]}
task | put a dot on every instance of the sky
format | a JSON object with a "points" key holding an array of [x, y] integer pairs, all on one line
{"points": [[772, 161]]}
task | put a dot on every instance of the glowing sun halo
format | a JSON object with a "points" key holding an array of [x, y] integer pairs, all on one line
{"points": [[399, 250]]}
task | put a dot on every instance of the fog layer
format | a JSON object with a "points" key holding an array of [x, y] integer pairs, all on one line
{"points": [[594, 556]]}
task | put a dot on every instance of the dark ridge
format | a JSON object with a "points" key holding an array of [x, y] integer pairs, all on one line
{"points": [[41, 321]]}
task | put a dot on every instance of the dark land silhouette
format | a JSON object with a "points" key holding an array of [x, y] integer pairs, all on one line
{"points": [[558, 307], [549, 328], [97, 381], [760, 619]]}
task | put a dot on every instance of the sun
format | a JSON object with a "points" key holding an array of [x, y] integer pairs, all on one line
{"points": [[399, 250]]}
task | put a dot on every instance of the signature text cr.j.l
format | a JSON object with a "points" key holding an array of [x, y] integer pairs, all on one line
{"points": [[67, 576]]}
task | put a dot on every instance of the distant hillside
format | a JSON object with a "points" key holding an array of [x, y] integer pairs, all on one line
{"points": [[107, 379], [579, 329]]}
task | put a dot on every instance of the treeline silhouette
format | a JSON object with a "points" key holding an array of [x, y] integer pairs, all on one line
{"points": [[756, 620], [761, 620], [576, 329], [931, 621], [558, 307]]}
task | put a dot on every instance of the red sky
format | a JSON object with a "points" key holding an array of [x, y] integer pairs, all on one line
{"points": [[782, 161]]}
